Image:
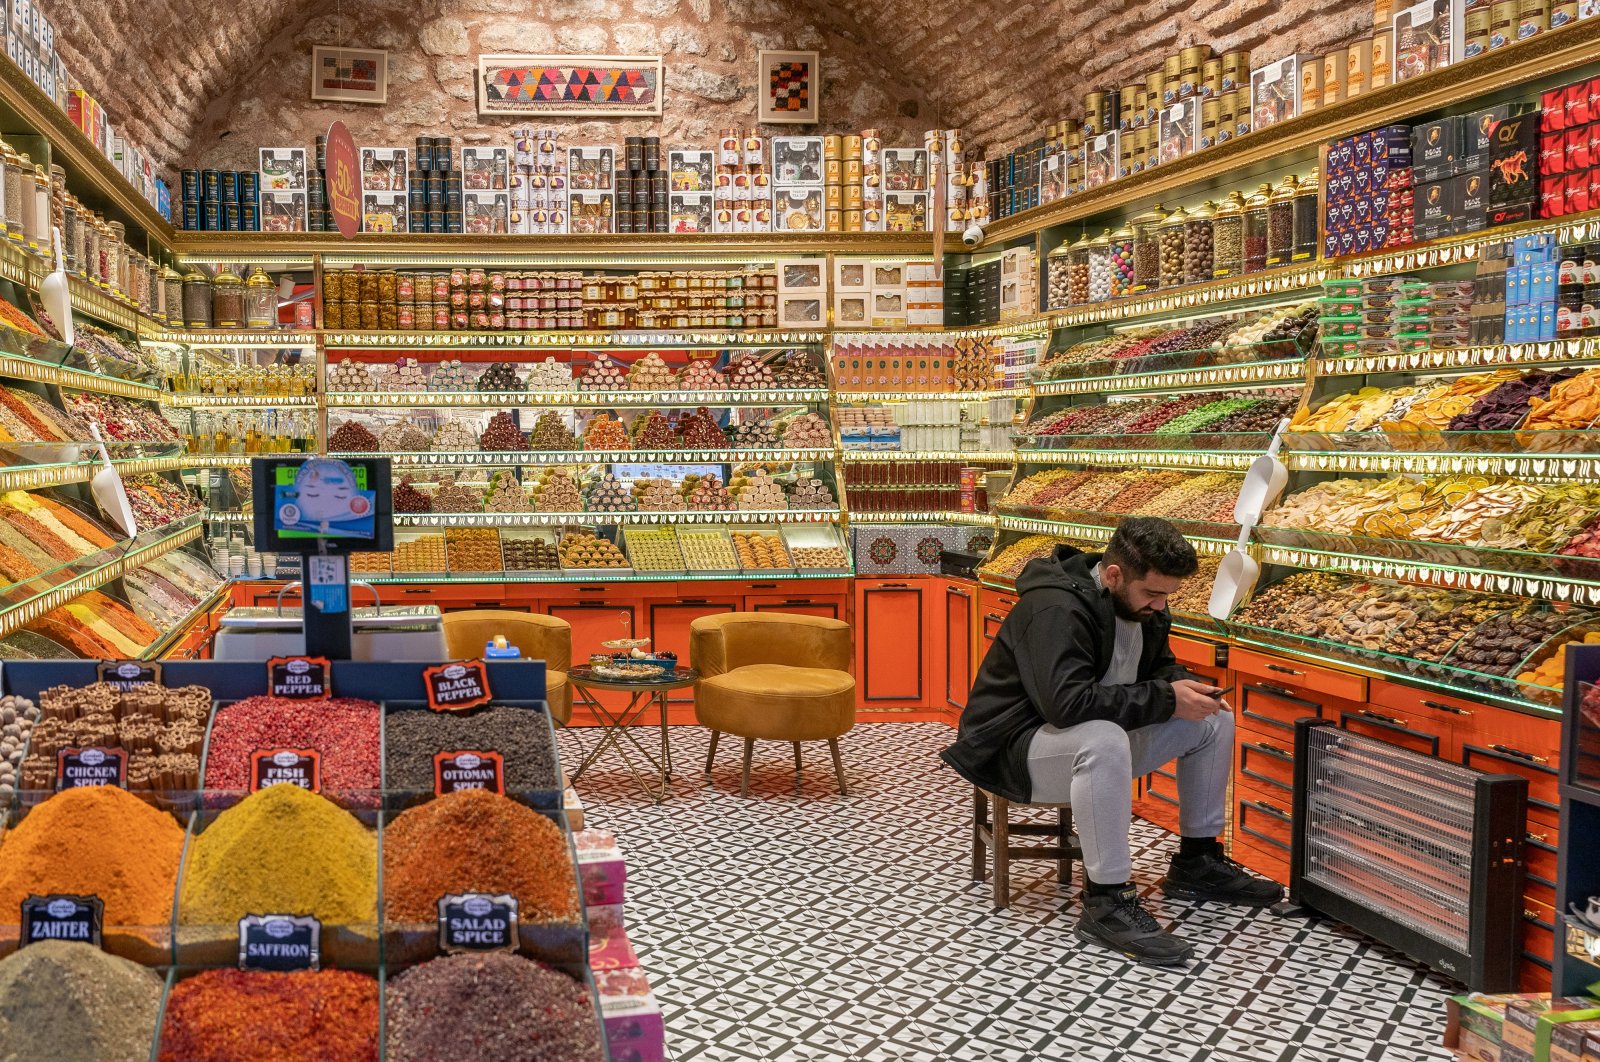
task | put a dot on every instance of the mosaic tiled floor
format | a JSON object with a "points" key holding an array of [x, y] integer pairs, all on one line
{"points": [[800, 924]]}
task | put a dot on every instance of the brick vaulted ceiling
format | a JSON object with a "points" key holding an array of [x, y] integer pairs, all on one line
{"points": [[171, 72]]}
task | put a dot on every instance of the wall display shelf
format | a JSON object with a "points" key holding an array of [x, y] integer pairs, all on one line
{"points": [[1154, 457], [1100, 532], [98, 302], [55, 474], [927, 517], [733, 516], [573, 399], [565, 340], [18, 367], [1240, 374], [170, 638], [880, 456], [1464, 359], [1189, 298], [1443, 462], [575, 577], [222, 340], [843, 397], [502, 458], [194, 401]]}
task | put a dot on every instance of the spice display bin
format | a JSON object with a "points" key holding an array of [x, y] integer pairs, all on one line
{"points": [[539, 728], [816, 536], [775, 530], [720, 533]]}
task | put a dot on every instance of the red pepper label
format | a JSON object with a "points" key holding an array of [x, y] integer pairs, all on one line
{"points": [[300, 678]]}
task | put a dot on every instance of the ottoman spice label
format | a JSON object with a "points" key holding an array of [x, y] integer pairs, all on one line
{"points": [[456, 687], [476, 921], [77, 767], [62, 917], [280, 943], [454, 771], [126, 674], [300, 678], [301, 767]]}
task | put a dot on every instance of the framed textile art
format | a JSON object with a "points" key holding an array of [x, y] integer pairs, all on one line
{"points": [[790, 84], [349, 75], [574, 86]]}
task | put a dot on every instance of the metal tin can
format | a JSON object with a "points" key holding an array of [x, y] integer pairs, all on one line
{"points": [[1128, 96], [191, 216], [436, 222], [322, 151], [211, 216], [1210, 79], [211, 185], [1533, 18], [443, 154], [1476, 35], [1504, 17], [436, 187], [652, 154], [633, 153], [417, 198], [453, 221], [1170, 69], [1190, 62], [1235, 71], [190, 183], [230, 217], [249, 217], [1225, 123], [249, 185], [1563, 13], [1094, 114], [424, 153], [1210, 120], [230, 186]]}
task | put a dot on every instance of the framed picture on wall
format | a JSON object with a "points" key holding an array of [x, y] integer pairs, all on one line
{"points": [[790, 86], [349, 75], [572, 86]]}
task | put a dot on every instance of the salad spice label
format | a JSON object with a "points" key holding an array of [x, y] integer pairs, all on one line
{"points": [[476, 921]]}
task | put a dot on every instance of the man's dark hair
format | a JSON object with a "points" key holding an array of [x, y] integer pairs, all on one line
{"points": [[1143, 543]]}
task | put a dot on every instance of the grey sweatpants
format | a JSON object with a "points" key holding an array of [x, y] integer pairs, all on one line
{"points": [[1091, 765]]}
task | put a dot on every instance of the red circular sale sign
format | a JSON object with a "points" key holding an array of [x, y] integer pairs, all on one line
{"points": [[344, 180]]}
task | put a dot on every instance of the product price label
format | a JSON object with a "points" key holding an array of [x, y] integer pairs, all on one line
{"points": [[301, 767], [280, 943], [454, 771], [77, 767], [477, 921], [126, 674], [458, 686], [301, 678], [60, 916]]}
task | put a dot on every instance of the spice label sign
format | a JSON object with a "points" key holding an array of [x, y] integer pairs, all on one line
{"points": [[127, 674], [303, 678], [280, 943], [455, 771], [477, 921], [301, 767], [77, 768], [457, 687], [62, 917]]}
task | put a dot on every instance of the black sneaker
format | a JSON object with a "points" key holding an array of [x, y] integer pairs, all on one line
{"points": [[1119, 921], [1213, 876]]}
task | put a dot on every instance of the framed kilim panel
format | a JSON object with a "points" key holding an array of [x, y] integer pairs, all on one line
{"points": [[790, 84], [576, 86]]}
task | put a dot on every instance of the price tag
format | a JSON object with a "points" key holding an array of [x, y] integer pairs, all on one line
{"points": [[280, 943], [77, 768], [61, 916], [455, 771], [126, 674], [477, 921], [301, 678], [301, 767], [458, 686]]}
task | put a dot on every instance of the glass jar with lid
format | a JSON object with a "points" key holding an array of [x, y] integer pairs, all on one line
{"points": [[1307, 212], [1255, 228], [1199, 244], [1057, 278], [1122, 261], [1169, 247], [197, 300], [172, 297], [1147, 249], [1100, 267], [260, 300], [1280, 224], [1078, 272], [227, 299], [1227, 237]]}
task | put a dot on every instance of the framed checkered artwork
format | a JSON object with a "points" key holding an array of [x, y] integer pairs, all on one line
{"points": [[790, 84], [349, 75], [572, 86]]}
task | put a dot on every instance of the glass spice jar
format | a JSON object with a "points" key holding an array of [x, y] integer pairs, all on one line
{"points": [[1100, 267], [1078, 272], [1169, 245], [1057, 278], [1307, 214], [1255, 228], [1227, 238], [172, 284], [227, 299], [1199, 244], [260, 300], [197, 300], [16, 225], [1122, 261], [1147, 249], [1280, 224]]}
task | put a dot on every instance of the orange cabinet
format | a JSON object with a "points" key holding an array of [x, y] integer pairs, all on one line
{"points": [[958, 628], [824, 599], [993, 608], [666, 624], [893, 621]]}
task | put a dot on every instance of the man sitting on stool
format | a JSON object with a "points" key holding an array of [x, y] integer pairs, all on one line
{"points": [[1079, 695]]}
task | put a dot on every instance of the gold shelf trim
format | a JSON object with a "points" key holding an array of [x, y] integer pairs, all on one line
{"points": [[1193, 296], [573, 399], [1242, 374], [511, 520]]}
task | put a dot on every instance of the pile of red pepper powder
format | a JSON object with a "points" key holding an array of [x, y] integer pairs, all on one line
{"points": [[248, 1016], [344, 730]]}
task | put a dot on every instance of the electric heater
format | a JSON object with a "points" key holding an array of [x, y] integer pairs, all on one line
{"points": [[1419, 853]]}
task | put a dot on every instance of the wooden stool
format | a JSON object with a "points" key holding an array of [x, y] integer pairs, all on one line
{"points": [[997, 839]]}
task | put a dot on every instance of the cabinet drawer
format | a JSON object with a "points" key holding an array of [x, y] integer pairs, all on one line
{"points": [[1534, 977], [1268, 862], [1539, 851], [1289, 672], [1262, 819], [1270, 767], [1404, 699], [1161, 786], [1425, 734], [1195, 652], [1271, 709], [1537, 768], [1538, 930]]}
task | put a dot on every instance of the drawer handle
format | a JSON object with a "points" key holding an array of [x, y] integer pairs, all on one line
{"points": [[1270, 749], [1447, 708], [894, 586], [991, 615], [1542, 838], [1262, 805], [692, 600], [1519, 754], [1380, 717], [1279, 690], [1284, 670]]}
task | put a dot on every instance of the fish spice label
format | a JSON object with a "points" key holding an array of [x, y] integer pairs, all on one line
{"points": [[455, 771], [127, 674], [458, 686], [280, 943], [301, 767], [60, 916], [477, 921], [77, 768], [301, 678]]}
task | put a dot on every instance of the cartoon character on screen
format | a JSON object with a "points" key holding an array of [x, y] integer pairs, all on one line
{"points": [[324, 494]]}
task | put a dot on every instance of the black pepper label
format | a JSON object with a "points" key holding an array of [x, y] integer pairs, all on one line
{"points": [[127, 674], [301, 678], [458, 686], [477, 921], [301, 767], [280, 943], [62, 916], [77, 768], [468, 769]]}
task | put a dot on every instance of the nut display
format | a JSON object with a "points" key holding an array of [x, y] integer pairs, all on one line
{"points": [[453, 497], [654, 549], [702, 375], [701, 431], [707, 550], [530, 555], [605, 432], [500, 376], [603, 374], [408, 499], [1195, 593], [507, 495], [353, 437], [403, 437], [806, 431], [581, 549], [657, 496], [557, 492], [473, 549], [349, 375], [502, 434], [706, 494], [654, 432], [651, 373], [425, 553], [550, 433], [819, 557], [454, 437], [1009, 562], [760, 550], [611, 496], [1502, 644], [748, 372], [758, 491]]}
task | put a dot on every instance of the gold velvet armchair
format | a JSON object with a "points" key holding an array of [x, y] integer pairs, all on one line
{"points": [[539, 637]]}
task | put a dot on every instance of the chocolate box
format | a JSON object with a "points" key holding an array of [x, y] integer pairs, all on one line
{"points": [[1434, 146], [1428, 36], [1471, 202], [1435, 209], [1275, 91], [1513, 161]]}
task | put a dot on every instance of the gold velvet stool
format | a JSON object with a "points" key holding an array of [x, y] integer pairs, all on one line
{"points": [[773, 676], [996, 838], [538, 637]]}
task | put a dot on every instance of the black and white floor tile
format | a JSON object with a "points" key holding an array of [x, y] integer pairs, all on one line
{"points": [[799, 924]]}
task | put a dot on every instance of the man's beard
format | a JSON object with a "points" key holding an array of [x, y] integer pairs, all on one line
{"points": [[1120, 605]]}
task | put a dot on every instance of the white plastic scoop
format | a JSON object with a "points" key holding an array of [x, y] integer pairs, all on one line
{"points": [[1263, 482], [109, 492], [1236, 577], [56, 296]]}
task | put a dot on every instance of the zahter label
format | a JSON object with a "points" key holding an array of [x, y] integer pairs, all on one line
{"points": [[477, 921], [455, 771], [303, 678], [128, 674], [61, 916], [301, 767], [458, 686], [280, 943], [77, 768]]}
